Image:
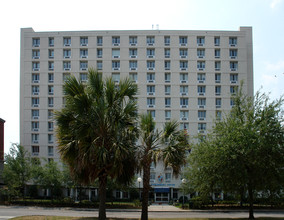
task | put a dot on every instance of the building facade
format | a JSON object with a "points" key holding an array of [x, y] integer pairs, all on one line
{"points": [[186, 75]]}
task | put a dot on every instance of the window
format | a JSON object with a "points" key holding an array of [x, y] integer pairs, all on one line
{"points": [[84, 41], [233, 90], [152, 113], [99, 65], [234, 66], [115, 65], [83, 77], [183, 77], [184, 126], [115, 41], [183, 102], [35, 102], [183, 115], [50, 90], [36, 54], [167, 53], [133, 65], [232, 102], [83, 53], [50, 102], [133, 53], [150, 53], [65, 76], [150, 102], [217, 41], [218, 102], [35, 90], [217, 90], [51, 41], [201, 102], [150, 77], [50, 77], [67, 65], [233, 54], [200, 53], [168, 177], [35, 150], [217, 53], [150, 65], [115, 53], [133, 40], [200, 65], [36, 42], [183, 65], [35, 114], [36, 66], [183, 41], [167, 41], [201, 127], [233, 41], [67, 54], [51, 66], [99, 41], [201, 77], [167, 90], [200, 41], [35, 138], [167, 114], [50, 126], [83, 65], [115, 77], [50, 138], [201, 115], [218, 115], [167, 102], [150, 40], [99, 53], [167, 65], [152, 177], [50, 53], [183, 53], [167, 77], [67, 41], [217, 77], [201, 90], [50, 151], [35, 78], [183, 90], [217, 65], [50, 114], [133, 77], [35, 126], [150, 90], [234, 78]]}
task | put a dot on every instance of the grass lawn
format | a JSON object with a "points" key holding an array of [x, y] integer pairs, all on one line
{"points": [[76, 218]]}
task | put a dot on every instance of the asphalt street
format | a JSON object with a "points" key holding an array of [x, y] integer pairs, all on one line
{"points": [[7, 212]]}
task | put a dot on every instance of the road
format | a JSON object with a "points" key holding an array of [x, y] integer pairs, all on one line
{"points": [[7, 212]]}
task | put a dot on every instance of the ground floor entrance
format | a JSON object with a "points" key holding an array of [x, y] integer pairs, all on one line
{"points": [[162, 195]]}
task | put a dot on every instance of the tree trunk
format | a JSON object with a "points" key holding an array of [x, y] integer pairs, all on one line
{"points": [[146, 189], [250, 192], [102, 197]]}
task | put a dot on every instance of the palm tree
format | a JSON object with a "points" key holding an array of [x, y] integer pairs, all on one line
{"points": [[96, 131], [168, 146]]}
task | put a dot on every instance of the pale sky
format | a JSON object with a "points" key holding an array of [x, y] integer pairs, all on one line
{"points": [[265, 16]]}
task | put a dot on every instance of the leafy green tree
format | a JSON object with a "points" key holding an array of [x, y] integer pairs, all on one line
{"points": [[244, 153], [49, 177], [96, 131], [168, 146], [17, 170]]}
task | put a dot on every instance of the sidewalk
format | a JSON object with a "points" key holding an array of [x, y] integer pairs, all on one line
{"points": [[164, 208]]}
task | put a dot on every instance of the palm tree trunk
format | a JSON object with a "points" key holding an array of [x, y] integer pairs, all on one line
{"points": [[102, 197], [145, 192], [250, 192]]}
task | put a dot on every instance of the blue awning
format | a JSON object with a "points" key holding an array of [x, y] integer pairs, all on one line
{"points": [[161, 190]]}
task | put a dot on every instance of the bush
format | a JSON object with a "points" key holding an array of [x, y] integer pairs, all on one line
{"points": [[137, 203]]}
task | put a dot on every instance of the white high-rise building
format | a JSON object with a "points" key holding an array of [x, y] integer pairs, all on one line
{"points": [[184, 75]]}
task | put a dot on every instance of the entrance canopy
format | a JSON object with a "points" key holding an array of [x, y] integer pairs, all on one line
{"points": [[161, 190]]}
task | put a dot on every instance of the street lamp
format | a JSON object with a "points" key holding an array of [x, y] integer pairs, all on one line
{"points": [[183, 182], [139, 179]]}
